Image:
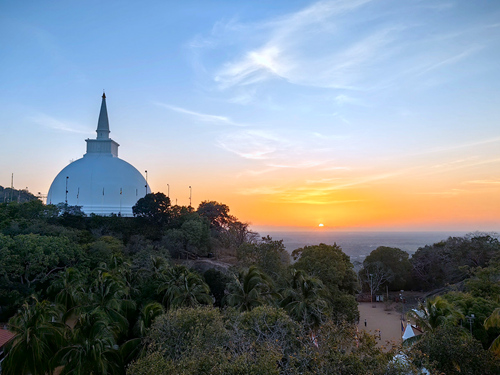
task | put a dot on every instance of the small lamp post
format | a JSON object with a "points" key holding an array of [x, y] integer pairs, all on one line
{"points": [[371, 288], [401, 297], [470, 319], [66, 199]]}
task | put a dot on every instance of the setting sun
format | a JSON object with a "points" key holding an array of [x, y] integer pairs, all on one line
{"points": [[321, 225]]}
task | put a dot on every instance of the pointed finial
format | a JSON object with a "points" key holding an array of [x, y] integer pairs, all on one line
{"points": [[103, 123], [103, 94]]}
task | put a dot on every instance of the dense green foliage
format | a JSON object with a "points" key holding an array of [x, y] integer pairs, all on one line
{"points": [[451, 350], [262, 341], [114, 295], [450, 261], [335, 270], [395, 265]]}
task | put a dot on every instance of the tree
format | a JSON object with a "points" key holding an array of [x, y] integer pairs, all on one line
{"points": [[328, 263], [217, 282], [67, 210], [91, 347], [203, 341], [38, 335], [103, 251], [226, 231], [451, 350], [342, 350], [450, 261], [185, 331], [478, 307], [216, 213], [148, 314], [68, 289], [191, 238], [107, 298], [333, 267], [183, 288], [375, 275], [266, 329], [249, 289], [196, 236], [134, 347], [395, 260], [494, 321], [31, 258], [485, 282], [237, 234], [304, 299], [269, 255], [154, 206], [32, 210], [434, 313]]}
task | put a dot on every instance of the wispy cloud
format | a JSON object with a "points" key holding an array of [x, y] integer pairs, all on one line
{"points": [[301, 164], [343, 99], [330, 136], [335, 168], [446, 193], [484, 182], [450, 60], [454, 163], [456, 146], [323, 180], [297, 195], [220, 120], [319, 191], [256, 172], [456, 166], [323, 45], [287, 53], [252, 144], [281, 150], [364, 180], [56, 124]]}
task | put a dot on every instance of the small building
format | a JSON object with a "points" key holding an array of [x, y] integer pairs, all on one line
{"points": [[5, 337]]}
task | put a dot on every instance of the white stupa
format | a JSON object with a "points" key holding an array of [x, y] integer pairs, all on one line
{"points": [[100, 182]]}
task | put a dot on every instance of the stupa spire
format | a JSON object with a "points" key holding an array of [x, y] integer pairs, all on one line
{"points": [[103, 123], [102, 144]]}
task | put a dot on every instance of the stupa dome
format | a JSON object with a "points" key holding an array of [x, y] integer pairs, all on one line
{"points": [[100, 182]]}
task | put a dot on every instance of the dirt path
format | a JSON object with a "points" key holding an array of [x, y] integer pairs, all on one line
{"points": [[386, 324]]}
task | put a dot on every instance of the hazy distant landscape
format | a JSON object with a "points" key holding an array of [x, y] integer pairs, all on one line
{"points": [[360, 244]]}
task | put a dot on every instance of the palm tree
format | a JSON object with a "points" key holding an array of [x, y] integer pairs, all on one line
{"points": [[433, 314], [156, 266], [121, 269], [148, 314], [250, 289], [494, 321], [108, 295], [38, 335], [68, 289], [304, 299], [133, 348], [184, 288], [91, 349]]}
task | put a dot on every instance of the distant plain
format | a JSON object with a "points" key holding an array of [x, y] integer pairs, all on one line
{"points": [[358, 244]]}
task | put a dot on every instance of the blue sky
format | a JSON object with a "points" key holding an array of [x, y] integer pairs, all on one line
{"points": [[354, 113]]}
